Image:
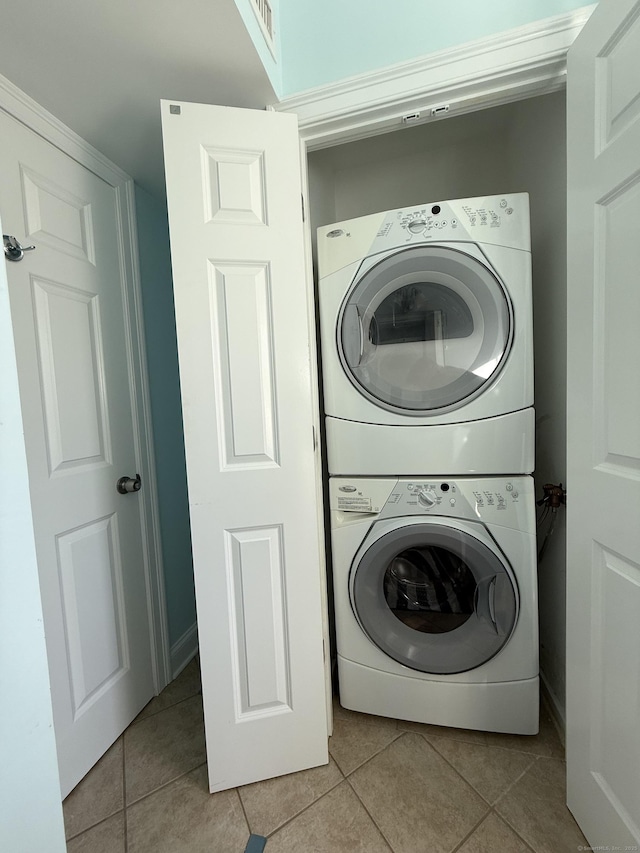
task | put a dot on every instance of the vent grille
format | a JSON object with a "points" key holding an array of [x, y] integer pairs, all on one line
{"points": [[265, 16]]}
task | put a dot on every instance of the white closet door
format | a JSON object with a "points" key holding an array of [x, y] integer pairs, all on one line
{"points": [[233, 187], [70, 327], [603, 591]]}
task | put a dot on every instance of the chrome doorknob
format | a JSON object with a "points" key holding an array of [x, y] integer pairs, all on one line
{"points": [[12, 249], [126, 485]]}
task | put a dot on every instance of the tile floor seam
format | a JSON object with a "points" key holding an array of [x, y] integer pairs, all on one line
{"points": [[469, 834], [477, 743], [312, 803], [375, 822], [93, 826], [506, 820], [162, 710], [306, 808], [536, 758], [508, 823], [124, 793], [244, 811], [457, 772], [366, 761], [164, 785]]}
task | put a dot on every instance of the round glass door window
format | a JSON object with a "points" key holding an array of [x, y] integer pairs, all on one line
{"points": [[434, 598], [425, 330]]}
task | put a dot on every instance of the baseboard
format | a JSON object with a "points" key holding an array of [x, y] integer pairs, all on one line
{"points": [[184, 650], [552, 704]]}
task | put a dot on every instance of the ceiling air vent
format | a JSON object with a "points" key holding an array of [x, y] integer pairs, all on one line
{"points": [[264, 13]]}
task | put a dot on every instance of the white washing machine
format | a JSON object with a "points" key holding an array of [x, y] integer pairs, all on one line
{"points": [[436, 600], [426, 322]]}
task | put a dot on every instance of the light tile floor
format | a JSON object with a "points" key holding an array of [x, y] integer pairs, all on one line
{"points": [[389, 787]]}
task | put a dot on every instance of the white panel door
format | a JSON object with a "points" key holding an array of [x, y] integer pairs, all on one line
{"points": [[242, 309], [603, 539], [67, 306]]}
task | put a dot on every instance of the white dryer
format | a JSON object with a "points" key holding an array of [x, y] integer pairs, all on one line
{"points": [[426, 322], [436, 600]]}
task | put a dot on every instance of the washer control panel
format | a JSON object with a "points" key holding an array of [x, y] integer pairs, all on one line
{"points": [[496, 499]]}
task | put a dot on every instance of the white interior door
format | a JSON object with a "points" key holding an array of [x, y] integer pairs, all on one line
{"points": [[603, 539], [242, 309], [67, 306]]}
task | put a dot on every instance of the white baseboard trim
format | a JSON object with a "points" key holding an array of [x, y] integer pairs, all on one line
{"points": [[508, 66], [554, 706], [184, 650]]}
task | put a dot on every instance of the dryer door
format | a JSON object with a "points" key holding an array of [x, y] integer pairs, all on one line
{"points": [[424, 330], [434, 597]]}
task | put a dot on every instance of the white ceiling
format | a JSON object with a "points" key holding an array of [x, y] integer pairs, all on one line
{"points": [[102, 68]]}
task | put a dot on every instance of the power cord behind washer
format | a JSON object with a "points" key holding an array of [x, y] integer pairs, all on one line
{"points": [[553, 498]]}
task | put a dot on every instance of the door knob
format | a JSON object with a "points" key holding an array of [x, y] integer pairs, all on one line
{"points": [[12, 249], [126, 485]]}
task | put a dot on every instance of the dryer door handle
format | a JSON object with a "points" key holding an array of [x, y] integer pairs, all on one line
{"points": [[352, 329], [485, 601]]}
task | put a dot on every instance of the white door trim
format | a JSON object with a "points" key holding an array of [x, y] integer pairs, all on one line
{"points": [[19, 105], [509, 66]]}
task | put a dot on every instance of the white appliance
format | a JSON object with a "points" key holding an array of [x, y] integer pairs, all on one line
{"points": [[426, 322], [436, 600]]}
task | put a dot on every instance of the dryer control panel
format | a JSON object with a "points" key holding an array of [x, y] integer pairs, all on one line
{"points": [[501, 220], [508, 501]]}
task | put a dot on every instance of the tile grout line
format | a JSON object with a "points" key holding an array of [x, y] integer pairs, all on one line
{"points": [[244, 811], [374, 821], [166, 784], [515, 781], [466, 782], [124, 792], [152, 714], [456, 771], [398, 735], [436, 737], [473, 829], [306, 808], [94, 825], [492, 806]]}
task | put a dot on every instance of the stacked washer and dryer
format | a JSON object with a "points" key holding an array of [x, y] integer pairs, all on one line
{"points": [[427, 362]]}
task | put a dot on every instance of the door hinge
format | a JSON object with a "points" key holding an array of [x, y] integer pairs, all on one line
{"points": [[302, 202]]}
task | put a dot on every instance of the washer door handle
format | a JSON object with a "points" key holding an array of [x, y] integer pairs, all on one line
{"points": [[484, 602]]}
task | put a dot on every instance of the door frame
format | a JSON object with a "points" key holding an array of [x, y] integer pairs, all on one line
{"points": [[19, 105]]}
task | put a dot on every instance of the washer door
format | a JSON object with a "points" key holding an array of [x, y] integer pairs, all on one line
{"points": [[434, 597], [425, 330]]}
